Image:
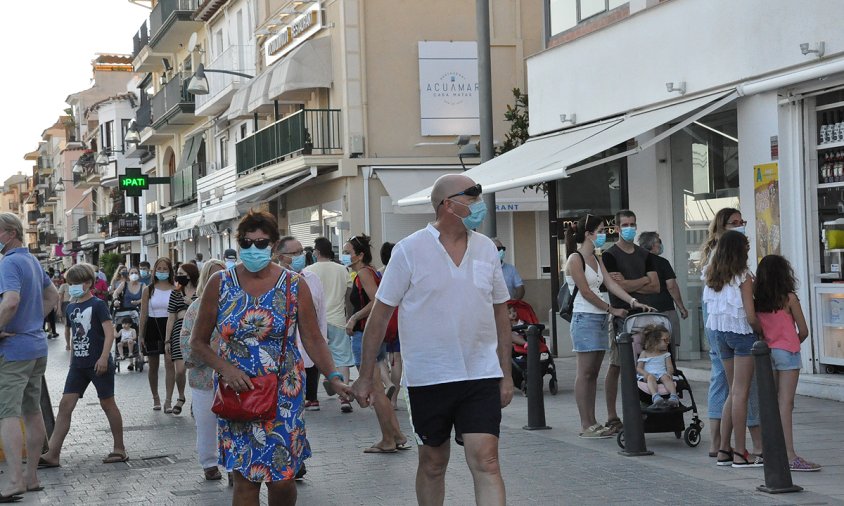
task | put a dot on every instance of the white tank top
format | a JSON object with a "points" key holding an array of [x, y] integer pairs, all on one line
{"points": [[158, 303], [594, 280]]}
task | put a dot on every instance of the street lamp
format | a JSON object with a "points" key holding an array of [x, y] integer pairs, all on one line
{"points": [[60, 184], [199, 83], [105, 154], [132, 134]]}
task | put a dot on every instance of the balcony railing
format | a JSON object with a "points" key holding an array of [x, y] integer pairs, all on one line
{"points": [[143, 117], [164, 10], [140, 39], [48, 238], [306, 132], [174, 94], [82, 227], [183, 184], [237, 58], [32, 217], [126, 226]]}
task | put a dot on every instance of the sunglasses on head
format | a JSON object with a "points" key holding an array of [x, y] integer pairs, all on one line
{"points": [[259, 243], [472, 191]]}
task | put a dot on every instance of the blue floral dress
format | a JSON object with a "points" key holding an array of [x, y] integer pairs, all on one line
{"points": [[252, 330]]}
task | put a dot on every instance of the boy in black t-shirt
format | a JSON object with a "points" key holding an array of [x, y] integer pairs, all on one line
{"points": [[91, 336]]}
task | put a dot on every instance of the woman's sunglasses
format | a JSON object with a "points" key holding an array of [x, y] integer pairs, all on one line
{"points": [[259, 243]]}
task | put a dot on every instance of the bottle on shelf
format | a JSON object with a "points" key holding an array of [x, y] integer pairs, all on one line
{"points": [[838, 168], [823, 129], [840, 125], [836, 128], [825, 166]]}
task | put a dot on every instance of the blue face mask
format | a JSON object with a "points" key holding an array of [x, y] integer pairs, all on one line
{"points": [[742, 230], [144, 273], [628, 233], [162, 276], [298, 263], [501, 253], [600, 240], [346, 259], [230, 264], [255, 259], [477, 213], [76, 291]]}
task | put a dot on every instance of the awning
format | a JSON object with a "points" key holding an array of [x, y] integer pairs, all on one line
{"points": [[258, 88], [307, 66], [238, 106], [273, 189], [185, 228], [401, 181], [553, 156], [190, 150]]}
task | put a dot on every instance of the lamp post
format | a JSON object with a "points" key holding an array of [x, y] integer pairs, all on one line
{"points": [[489, 225], [60, 184], [198, 84]]}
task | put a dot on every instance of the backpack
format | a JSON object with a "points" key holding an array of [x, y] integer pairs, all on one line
{"points": [[566, 296], [392, 333]]}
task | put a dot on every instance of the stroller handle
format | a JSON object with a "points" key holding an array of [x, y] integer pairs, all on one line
{"points": [[520, 328]]}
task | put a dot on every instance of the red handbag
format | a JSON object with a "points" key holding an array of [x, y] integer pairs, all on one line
{"points": [[249, 405]]}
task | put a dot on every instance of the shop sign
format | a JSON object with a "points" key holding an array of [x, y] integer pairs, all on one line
{"points": [[293, 34], [449, 88], [767, 202]]}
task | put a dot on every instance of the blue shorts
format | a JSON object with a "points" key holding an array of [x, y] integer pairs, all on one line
{"points": [[785, 360], [731, 344], [394, 347], [341, 348], [78, 379], [589, 332], [357, 348]]}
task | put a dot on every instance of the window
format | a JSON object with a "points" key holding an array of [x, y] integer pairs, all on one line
{"points": [[224, 152], [124, 127], [565, 14], [108, 134], [243, 130]]}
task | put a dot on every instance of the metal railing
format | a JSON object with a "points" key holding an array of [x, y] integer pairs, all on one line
{"points": [[164, 10], [126, 226], [143, 117], [237, 58], [306, 132], [183, 184], [82, 227], [173, 94], [140, 39]]}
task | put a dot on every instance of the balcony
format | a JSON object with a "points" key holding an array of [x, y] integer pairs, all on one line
{"points": [[171, 23], [45, 166], [83, 227], [172, 107], [47, 239], [304, 133], [141, 39], [127, 225], [183, 184], [32, 217], [223, 86]]}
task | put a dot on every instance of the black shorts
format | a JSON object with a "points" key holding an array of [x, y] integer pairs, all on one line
{"points": [[471, 407], [78, 380]]}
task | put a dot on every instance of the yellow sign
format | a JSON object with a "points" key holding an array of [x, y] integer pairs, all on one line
{"points": [[767, 201]]}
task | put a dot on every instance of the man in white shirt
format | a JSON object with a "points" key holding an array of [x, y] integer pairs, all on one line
{"points": [[335, 280], [455, 332]]}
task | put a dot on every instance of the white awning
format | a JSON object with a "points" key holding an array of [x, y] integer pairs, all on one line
{"points": [[238, 107], [307, 66], [273, 189], [553, 156], [401, 181], [258, 88], [178, 234]]}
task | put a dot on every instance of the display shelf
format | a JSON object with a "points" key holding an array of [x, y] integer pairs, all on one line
{"points": [[831, 185], [827, 107], [829, 145]]}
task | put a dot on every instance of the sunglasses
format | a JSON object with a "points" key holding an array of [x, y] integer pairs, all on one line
{"points": [[259, 243], [472, 191], [502, 248]]}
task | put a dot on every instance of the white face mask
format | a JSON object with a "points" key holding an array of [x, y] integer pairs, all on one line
{"points": [[134, 277]]}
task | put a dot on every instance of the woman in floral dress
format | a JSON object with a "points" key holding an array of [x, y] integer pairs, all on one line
{"points": [[256, 307]]}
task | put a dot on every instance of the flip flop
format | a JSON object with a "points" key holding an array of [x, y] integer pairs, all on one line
{"points": [[404, 446], [115, 457], [39, 488], [10, 498], [43, 464], [375, 449]]}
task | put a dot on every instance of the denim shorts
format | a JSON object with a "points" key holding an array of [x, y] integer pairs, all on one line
{"points": [[785, 360], [589, 332], [357, 349], [731, 344]]}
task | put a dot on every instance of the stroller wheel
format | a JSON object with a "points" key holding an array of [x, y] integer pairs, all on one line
{"points": [[620, 439], [692, 436], [552, 386]]}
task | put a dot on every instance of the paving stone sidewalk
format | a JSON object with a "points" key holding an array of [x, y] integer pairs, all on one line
{"points": [[540, 467]]}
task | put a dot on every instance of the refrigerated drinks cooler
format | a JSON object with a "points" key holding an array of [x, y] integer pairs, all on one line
{"points": [[829, 324]]}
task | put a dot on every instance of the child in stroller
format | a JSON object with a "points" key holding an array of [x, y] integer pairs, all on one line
{"points": [[128, 338], [521, 317], [654, 365]]}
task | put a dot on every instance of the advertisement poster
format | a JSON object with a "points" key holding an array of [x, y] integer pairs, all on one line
{"points": [[448, 88], [767, 196]]}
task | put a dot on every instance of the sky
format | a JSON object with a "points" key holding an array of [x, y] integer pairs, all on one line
{"points": [[47, 48]]}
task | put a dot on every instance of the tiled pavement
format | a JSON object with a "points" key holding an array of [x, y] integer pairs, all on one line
{"points": [[540, 467]]}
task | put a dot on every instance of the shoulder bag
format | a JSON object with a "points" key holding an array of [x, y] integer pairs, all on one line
{"points": [[566, 296]]}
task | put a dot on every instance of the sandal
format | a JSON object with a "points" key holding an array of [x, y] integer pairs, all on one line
{"points": [[177, 409], [115, 457], [213, 473], [156, 404], [745, 460], [596, 431], [167, 407], [725, 462]]}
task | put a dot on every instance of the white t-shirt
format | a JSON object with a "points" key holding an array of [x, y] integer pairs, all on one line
{"points": [[335, 280], [315, 286], [446, 318]]}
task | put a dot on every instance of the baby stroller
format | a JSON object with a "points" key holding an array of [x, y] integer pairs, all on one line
{"points": [[519, 360], [658, 420], [136, 360]]}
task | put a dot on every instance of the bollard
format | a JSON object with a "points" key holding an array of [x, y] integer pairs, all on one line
{"points": [[634, 427], [536, 402], [777, 471]]}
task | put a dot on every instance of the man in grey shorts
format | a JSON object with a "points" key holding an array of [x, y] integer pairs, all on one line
{"points": [[335, 280], [25, 293]]}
